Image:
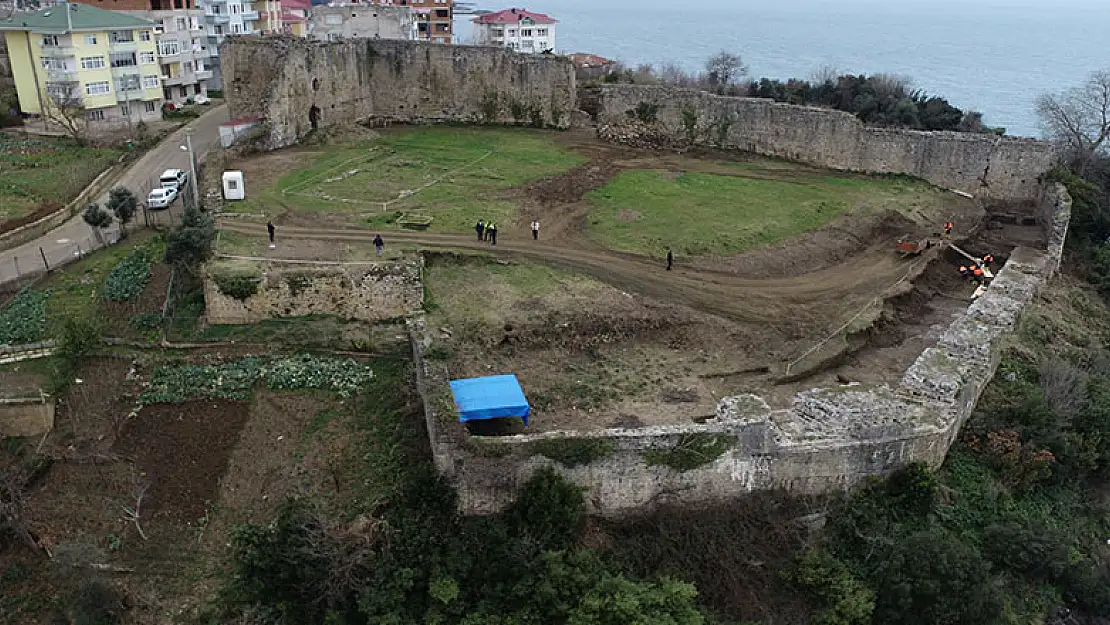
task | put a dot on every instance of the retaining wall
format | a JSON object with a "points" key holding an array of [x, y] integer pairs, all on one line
{"points": [[367, 292], [292, 83], [829, 439], [1004, 168]]}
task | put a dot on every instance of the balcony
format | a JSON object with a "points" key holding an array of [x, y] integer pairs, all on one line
{"points": [[250, 16], [180, 79], [56, 51], [216, 40], [169, 54], [201, 52], [217, 18], [61, 75], [204, 74], [123, 46]]}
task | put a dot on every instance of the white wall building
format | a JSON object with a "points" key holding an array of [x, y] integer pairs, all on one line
{"points": [[223, 18], [519, 29], [185, 58], [334, 22]]}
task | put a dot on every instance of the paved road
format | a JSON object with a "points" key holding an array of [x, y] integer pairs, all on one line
{"points": [[74, 237]]}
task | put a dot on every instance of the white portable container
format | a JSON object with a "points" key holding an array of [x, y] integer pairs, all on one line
{"points": [[233, 185]]}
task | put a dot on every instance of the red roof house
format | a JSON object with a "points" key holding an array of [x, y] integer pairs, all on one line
{"points": [[512, 16]]}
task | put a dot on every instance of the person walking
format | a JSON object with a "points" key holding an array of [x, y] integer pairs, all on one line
{"points": [[379, 244], [670, 259], [535, 229], [480, 228], [491, 228], [270, 230], [948, 225]]}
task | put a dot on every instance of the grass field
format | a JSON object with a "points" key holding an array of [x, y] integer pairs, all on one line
{"points": [[700, 214], [454, 175], [39, 170]]}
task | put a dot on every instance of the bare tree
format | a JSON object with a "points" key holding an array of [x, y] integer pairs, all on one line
{"points": [[724, 69], [133, 514], [1079, 118], [824, 74], [65, 108]]}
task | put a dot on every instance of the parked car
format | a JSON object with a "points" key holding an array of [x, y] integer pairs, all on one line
{"points": [[161, 197], [173, 179]]}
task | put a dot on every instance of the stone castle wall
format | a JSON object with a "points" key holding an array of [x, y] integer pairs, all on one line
{"points": [[365, 292], [1003, 168], [288, 82], [829, 439]]}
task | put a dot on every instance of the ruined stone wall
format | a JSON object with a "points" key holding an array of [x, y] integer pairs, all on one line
{"points": [[289, 82], [829, 439], [365, 292], [1004, 168]]}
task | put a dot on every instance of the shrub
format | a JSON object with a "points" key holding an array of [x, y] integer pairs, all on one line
{"points": [[573, 452], [23, 320], [647, 112], [237, 287], [549, 508], [841, 598], [129, 277], [1064, 386], [913, 489], [692, 451], [190, 244], [97, 603], [151, 321]]}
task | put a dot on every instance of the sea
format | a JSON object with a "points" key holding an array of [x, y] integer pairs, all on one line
{"points": [[992, 56]]}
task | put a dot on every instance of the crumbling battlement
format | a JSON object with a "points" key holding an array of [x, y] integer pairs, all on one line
{"points": [[829, 439], [1004, 168], [294, 84], [364, 291]]}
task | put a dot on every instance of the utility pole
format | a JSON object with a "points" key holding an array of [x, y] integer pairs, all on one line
{"points": [[192, 167]]}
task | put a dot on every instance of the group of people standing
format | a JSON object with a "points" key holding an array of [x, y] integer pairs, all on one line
{"points": [[487, 230]]}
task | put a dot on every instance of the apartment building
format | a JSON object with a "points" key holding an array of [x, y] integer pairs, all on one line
{"points": [[294, 17], [186, 60], [223, 18], [335, 22], [433, 18], [519, 29], [75, 59]]}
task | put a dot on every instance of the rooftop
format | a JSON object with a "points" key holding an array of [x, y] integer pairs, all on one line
{"points": [[82, 18], [512, 16], [581, 59]]}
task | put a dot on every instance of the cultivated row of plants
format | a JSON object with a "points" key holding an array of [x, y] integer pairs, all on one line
{"points": [[235, 380], [128, 279], [23, 320]]}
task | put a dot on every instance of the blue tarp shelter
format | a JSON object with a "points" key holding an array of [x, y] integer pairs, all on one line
{"points": [[492, 397]]}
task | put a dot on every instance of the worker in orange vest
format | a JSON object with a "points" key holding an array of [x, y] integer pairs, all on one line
{"points": [[977, 275], [948, 229], [965, 272], [988, 260]]}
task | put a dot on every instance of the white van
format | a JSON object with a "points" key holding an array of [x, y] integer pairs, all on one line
{"points": [[173, 179]]}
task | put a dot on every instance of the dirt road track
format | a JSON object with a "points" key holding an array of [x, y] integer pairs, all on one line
{"points": [[795, 306]]}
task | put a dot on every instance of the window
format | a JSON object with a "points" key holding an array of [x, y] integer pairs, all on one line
{"points": [[121, 36], [98, 88], [235, 9], [49, 62], [49, 41], [512, 32], [194, 23], [146, 58], [150, 106], [498, 32], [92, 62], [150, 82], [442, 13], [90, 40], [184, 92], [94, 116], [124, 60], [144, 35], [125, 109], [182, 23], [525, 32], [187, 67], [541, 45], [541, 32], [61, 93], [236, 28], [169, 47]]}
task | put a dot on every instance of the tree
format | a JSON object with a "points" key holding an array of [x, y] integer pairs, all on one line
{"points": [[190, 244], [64, 107], [724, 69], [123, 203], [1079, 118], [98, 219]]}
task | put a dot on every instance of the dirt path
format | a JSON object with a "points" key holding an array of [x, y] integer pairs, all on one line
{"points": [[795, 306]]}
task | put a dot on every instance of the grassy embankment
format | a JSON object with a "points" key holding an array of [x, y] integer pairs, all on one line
{"points": [[701, 214], [39, 172]]}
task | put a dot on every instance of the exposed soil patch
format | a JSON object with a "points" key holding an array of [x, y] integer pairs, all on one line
{"points": [[183, 449], [88, 416], [573, 185]]}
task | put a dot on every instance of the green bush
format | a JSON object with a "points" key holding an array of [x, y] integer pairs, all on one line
{"points": [[97, 603], [841, 598], [23, 320], [548, 508], [237, 287], [151, 321], [573, 452], [692, 451], [129, 277]]}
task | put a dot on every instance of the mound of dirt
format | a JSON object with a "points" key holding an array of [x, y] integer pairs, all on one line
{"points": [[573, 185], [183, 450]]}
